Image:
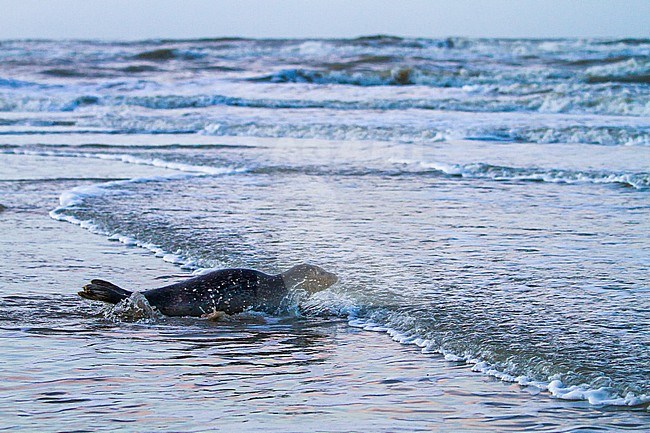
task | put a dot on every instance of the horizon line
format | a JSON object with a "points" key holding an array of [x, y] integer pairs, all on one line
{"points": [[377, 36]]}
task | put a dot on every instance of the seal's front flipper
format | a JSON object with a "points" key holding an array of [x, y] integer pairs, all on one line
{"points": [[100, 290], [218, 316]]}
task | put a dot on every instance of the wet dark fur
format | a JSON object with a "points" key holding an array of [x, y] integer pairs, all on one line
{"points": [[228, 290]]}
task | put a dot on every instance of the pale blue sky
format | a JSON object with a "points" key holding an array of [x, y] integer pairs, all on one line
{"points": [[140, 19]]}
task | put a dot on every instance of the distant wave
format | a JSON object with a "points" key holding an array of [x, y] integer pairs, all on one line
{"points": [[136, 69], [66, 73], [16, 84], [430, 131], [163, 54], [640, 181], [337, 126], [626, 41], [128, 159], [482, 99], [639, 79], [608, 136], [631, 71], [601, 70], [393, 77]]}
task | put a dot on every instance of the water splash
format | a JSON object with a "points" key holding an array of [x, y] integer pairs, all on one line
{"points": [[135, 308]]}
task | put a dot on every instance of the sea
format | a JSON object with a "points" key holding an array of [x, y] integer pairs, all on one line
{"points": [[485, 204]]}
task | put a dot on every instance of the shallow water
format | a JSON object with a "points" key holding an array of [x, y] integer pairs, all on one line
{"points": [[488, 209], [90, 373]]}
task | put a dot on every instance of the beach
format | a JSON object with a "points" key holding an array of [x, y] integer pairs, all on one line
{"points": [[69, 367], [485, 210]]}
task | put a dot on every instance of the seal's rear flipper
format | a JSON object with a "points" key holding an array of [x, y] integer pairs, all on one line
{"points": [[100, 290]]}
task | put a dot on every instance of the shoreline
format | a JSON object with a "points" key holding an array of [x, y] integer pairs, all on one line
{"points": [[442, 394], [554, 388], [348, 373]]}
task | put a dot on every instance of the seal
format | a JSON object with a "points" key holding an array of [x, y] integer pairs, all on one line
{"points": [[230, 291]]}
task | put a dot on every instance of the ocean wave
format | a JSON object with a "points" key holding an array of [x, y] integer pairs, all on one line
{"points": [[163, 54], [17, 84], [595, 61], [592, 393], [423, 127], [400, 329], [598, 102], [482, 99], [597, 135], [625, 41], [137, 69], [375, 40], [128, 159], [356, 72], [366, 71], [607, 136], [635, 78], [65, 73], [631, 71], [325, 131], [364, 128], [42, 103], [560, 386], [75, 197], [398, 76], [639, 181]]}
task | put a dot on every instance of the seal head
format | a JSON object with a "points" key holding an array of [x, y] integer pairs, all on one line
{"points": [[310, 278]]}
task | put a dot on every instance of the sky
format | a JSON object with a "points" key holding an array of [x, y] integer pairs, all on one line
{"points": [[174, 19]]}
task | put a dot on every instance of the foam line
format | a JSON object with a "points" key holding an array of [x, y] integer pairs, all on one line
{"points": [[640, 181], [76, 196], [602, 396]]}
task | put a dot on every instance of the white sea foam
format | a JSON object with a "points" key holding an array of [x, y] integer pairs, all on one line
{"points": [[135, 308], [76, 196], [426, 126], [481, 170], [628, 69], [58, 214], [597, 396], [601, 396], [130, 159]]}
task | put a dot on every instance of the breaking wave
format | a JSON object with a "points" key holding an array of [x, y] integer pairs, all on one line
{"points": [[631, 71], [608, 136], [640, 181], [163, 54], [571, 99], [392, 77], [595, 393]]}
